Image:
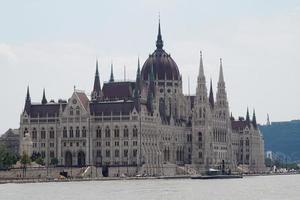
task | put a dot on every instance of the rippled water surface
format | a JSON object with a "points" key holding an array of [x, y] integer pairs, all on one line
{"points": [[260, 188]]}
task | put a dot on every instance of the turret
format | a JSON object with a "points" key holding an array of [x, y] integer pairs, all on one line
{"points": [[211, 96], [27, 102], [111, 74], [44, 100], [159, 41], [96, 93], [138, 87], [254, 119]]}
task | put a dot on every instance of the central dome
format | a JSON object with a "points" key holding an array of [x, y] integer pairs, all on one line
{"points": [[164, 67]]}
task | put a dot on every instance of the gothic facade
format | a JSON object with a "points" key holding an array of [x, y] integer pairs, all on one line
{"points": [[148, 123]]}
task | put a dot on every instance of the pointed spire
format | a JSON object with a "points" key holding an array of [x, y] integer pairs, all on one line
{"points": [[254, 119], [137, 90], [96, 93], [201, 70], [27, 102], [159, 42], [44, 100], [247, 116], [211, 96], [111, 74], [221, 76]]}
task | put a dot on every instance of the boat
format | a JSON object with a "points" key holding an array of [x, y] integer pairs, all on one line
{"points": [[216, 174]]}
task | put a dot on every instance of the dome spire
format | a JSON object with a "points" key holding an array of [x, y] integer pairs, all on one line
{"points": [[159, 42]]}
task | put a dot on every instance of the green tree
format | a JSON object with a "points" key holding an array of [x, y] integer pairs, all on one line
{"points": [[7, 159], [54, 161], [40, 161]]}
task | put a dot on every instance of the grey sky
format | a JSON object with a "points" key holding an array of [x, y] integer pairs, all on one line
{"points": [[54, 44]]}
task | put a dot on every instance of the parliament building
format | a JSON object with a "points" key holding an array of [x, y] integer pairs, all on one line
{"points": [[148, 125]]}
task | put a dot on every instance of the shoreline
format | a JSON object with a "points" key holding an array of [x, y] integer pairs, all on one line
{"points": [[44, 180]]}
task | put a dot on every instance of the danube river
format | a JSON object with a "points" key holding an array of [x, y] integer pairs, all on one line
{"points": [[254, 188]]}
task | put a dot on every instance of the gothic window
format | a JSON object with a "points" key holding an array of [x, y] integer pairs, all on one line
{"points": [[134, 152], [51, 133], [51, 154], [134, 143], [125, 143], [77, 110], [116, 132], [25, 131], [107, 143], [98, 132], [71, 132], [117, 153], [126, 132], [125, 153], [83, 131], [71, 111], [107, 153], [107, 132], [98, 144], [247, 142], [98, 153], [135, 132], [34, 133], [199, 137], [77, 132], [116, 143], [65, 132], [43, 133]]}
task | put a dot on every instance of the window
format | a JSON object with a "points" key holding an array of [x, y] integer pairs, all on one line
{"points": [[65, 144], [134, 132], [134, 152], [71, 144], [71, 132], [199, 137], [34, 133], [51, 133], [43, 144], [134, 143], [51, 144], [117, 143], [77, 132], [43, 133], [247, 142], [126, 132], [107, 132], [107, 153], [65, 132], [83, 144], [71, 111], [83, 131], [51, 154], [98, 144], [98, 153], [200, 155], [98, 132], [77, 144], [77, 110], [107, 144], [116, 132], [125, 143], [125, 153], [117, 153]]}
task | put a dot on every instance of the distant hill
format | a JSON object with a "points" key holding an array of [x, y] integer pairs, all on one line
{"points": [[283, 138]]}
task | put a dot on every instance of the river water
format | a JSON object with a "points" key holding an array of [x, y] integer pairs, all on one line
{"points": [[285, 187]]}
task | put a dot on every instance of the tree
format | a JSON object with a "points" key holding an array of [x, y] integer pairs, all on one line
{"points": [[54, 161], [40, 161], [7, 159], [25, 160]]}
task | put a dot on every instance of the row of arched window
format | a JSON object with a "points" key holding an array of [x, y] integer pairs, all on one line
{"points": [[77, 110], [116, 132], [77, 132], [34, 133]]}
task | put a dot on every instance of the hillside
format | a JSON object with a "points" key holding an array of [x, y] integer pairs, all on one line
{"points": [[283, 138]]}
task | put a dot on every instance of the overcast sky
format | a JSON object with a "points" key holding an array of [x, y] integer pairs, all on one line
{"points": [[54, 45]]}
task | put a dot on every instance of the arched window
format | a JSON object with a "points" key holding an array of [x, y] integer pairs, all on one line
{"points": [[71, 132], [43, 133], [71, 111], [77, 110], [25, 131], [34, 133], [83, 131], [117, 132], [247, 142], [135, 132], [117, 153], [107, 132], [200, 137], [98, 132], [126, 133], [65, 134], [51, 133], [77, 132]]}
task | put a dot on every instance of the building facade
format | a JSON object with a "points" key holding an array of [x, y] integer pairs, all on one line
{"points": [[148, 123]]}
